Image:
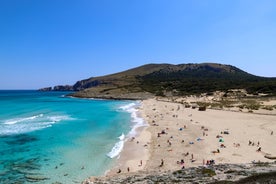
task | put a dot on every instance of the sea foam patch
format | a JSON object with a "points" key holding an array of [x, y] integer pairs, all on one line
{"points": [[18, 120], [30, 123], [116, 150], [138, 121]]}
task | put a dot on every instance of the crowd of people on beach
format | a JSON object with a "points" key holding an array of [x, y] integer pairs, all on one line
{"points": [[164, 138]]}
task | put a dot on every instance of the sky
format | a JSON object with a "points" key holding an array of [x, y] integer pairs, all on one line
{"points": [[50, 42]]}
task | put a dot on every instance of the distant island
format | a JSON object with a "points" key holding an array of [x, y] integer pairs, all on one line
{"points": [[169, 80]]}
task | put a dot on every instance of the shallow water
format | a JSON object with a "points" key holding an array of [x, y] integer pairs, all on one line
{"points": [[46, 137]]}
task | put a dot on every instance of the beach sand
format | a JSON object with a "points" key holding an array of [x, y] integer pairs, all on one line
{"points": [[203, 134], [135, 154], [196, 137]]}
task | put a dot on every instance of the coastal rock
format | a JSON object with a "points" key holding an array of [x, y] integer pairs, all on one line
{"points": [[46, 89], [223, 173], [58, 88], [63, 88]]}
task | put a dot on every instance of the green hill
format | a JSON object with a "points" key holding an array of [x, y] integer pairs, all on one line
{"points": [[162, 79]]}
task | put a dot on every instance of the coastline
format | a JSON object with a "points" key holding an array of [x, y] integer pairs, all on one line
{"points": [[196, 137], [136, 147]]}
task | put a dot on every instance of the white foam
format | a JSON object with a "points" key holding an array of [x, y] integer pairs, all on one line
{"points": [[30, 124], [122, 137], [116, 150], [135, 118], [137, 122], [128, 107], [59, 118], [19, 120], [23, 128]]}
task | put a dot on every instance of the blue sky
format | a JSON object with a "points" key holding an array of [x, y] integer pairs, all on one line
{"points": [[50, 42]]}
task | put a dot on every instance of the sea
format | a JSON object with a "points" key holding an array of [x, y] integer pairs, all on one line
{"points": [[48, 137]]}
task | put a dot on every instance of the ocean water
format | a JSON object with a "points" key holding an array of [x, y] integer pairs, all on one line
{"points": [[46, 137]]}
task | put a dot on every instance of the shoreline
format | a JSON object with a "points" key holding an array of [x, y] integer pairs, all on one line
{"points": [[136, 144], [195, 137]]}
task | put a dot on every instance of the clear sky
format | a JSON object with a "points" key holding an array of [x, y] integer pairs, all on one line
{"points": [[50, 42]]}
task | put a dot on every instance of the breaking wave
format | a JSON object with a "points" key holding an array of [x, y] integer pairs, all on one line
{"points": [[135, 118], [137, 122], [30, 123], [116, 150]]}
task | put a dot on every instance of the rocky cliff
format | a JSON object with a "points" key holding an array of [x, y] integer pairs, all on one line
{"points": [[58, 88]]}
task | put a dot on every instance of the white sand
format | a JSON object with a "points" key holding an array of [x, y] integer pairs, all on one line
{"points": [[170, 117]]}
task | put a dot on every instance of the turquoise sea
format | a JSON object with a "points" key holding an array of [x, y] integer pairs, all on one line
{"points": [[46, 137]]}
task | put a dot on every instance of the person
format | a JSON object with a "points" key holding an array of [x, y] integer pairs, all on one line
{"points": [[141, 162], [162, 163], [259, 149], [128, 169], [271, 133], [212, 162]]}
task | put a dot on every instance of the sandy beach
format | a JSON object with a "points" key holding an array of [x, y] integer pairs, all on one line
{"points": [[177, 137], [196, 137]]}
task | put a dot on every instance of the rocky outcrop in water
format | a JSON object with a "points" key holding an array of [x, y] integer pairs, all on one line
{"points": [[58, 88], [46, 89], [63, 88]]}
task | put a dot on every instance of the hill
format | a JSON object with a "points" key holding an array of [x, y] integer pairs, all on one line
{"points": [[167, 79]]}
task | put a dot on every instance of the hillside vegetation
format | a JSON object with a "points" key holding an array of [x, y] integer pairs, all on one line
{"points": [[167, 79], [201, 78]]}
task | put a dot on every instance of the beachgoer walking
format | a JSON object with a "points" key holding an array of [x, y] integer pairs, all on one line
{"points": [[162, 163]]}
